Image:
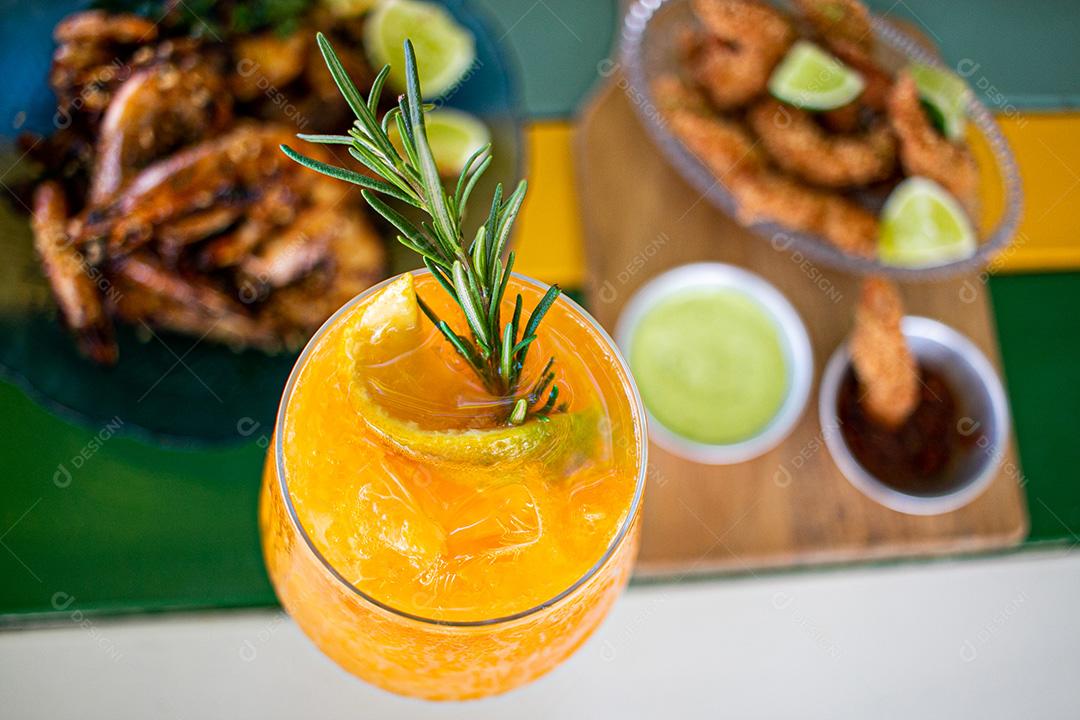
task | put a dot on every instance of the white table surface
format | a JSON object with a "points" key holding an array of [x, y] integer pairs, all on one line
{"points": [[988, 638]]}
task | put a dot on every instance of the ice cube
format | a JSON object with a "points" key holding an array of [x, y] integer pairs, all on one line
{"points": [[495, 521], [388, 525]]}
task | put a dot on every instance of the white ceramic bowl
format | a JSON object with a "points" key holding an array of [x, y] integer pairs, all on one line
{"points": [[979, 396], [798, 356]]}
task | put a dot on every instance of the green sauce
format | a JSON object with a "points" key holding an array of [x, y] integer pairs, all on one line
{"points": [[710, 365]]}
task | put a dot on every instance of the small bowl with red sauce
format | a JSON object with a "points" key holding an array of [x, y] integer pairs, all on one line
{"points": [[949, 450]]}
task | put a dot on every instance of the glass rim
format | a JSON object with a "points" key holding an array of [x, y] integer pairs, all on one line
{"points": [[637, 407]]}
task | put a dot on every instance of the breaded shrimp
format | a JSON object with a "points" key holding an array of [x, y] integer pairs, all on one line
{"points": [[748, 22], [886, 370], [671, 93], [876, 79], [926, 152], [726, 147], [721, 143], [742, 43], [802, 147], [840, 221], [840, 20], [733, 76], [844, 26]]}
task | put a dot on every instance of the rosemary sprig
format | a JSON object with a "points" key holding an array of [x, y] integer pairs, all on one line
{"points": [[472, 272]]}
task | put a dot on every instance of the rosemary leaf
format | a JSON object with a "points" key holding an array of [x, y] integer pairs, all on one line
{"points": [[517, 416], [347, 175], [375, 94], [523, 344], [478, 252], [542, 380], [505, 279], [363, 154], [389, 117], [350, 93], [517, 313], [437, 271], [429, 171], [469, 176], [541, 309], [403, 225], [468, 306], [326, 139], [473, 179], [507, 352], [509, 214], [406, 139], [550, 401]]}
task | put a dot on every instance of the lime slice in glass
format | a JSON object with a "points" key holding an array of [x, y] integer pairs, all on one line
{"points": [[810, 78], [444, 49], [922, 225], [946, 95], [453, 135], [388, 327]]}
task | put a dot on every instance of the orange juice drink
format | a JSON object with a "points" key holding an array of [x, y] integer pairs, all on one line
{"points": [[421, 542]]}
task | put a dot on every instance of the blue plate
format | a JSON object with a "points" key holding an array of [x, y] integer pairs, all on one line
{"points": [[170, 388]]}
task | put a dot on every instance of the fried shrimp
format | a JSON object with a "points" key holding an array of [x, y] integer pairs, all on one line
{"points": [[876, 79], [742, 43], [886, 370], [727, 148], [799, 145], [722, 144], [842, 222], [926, 152], [840, 20], [844, 27]]}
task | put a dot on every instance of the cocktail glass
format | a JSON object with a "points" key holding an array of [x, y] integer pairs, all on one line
{"points": [[411, 579]]}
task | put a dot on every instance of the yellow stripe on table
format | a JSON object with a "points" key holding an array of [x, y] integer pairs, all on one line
{"points": [[1047, 148], [550, 241]]}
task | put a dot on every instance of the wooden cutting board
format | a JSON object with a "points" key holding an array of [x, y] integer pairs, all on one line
{"points": [[790, 506]]}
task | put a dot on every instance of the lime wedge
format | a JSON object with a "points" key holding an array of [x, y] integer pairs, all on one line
{"points": [[922, 225], [444, 49], [453, 135], [388, 327], [810, 78], [946, 95]]}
